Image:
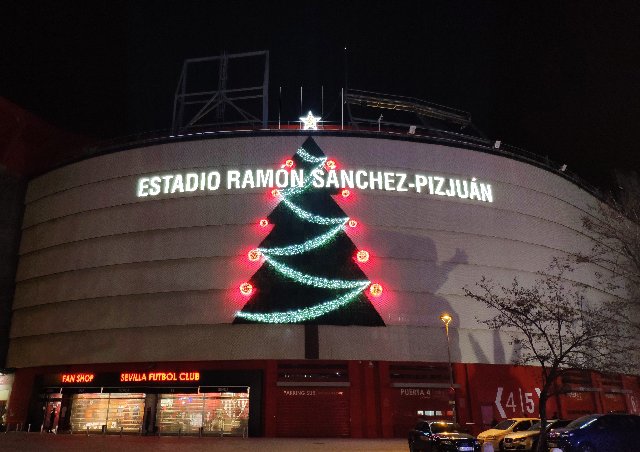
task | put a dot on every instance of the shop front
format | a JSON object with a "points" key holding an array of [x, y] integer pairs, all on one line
{"points": [[6, 381], [162, 403]]}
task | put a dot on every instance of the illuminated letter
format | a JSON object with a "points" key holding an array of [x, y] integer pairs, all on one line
{"points": [[177, 184], [297, 178], [401, 186], [233, 176], [430, 185], [346, 179], [373, 179], [191, 182], [451, 191], [475, 193], [264, 178], [388, 182], [332, 179], [280, 174], [464, 194], [154, 184], [361, 185], [203, 181], [143, 186], [247, 180], [318, 182], [166, 179], [439, 183], [211, 184], [421, 181], [485, 190]]}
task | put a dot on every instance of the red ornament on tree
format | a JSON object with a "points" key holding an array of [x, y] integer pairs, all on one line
{"points": [[362, 256], [246, 288], [375, 290], [254, 255]]}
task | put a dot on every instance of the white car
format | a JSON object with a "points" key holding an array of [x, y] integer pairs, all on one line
{"points": [[528, 439], [496, 435]]}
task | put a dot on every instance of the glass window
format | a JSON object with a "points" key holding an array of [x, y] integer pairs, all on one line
{"points": [[115, 411], [522, 426], [583, 421], [504, 425], [442, 427], [219, 413]]}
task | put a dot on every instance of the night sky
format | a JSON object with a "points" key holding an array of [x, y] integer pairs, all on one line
{"points": [[555, 78]]}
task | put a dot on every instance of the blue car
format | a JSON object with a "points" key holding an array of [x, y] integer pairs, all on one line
{"points": [[598, 433]]}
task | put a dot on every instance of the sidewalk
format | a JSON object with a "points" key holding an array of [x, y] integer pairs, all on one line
{"points": [[43, 442]]}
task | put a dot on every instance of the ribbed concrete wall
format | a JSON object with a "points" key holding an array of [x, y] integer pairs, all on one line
{"points": [[105, 276]]}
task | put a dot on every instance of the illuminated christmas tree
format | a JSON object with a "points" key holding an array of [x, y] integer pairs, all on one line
{"points": [[309, 272]]}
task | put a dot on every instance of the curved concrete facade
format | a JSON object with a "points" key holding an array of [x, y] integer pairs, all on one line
{"points": [[106, 276]]}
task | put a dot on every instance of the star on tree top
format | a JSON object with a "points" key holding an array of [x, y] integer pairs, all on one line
{"points": [[310, 122]]}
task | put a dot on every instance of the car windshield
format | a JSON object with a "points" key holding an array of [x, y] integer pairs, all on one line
{"points": [[536, 426], [582, 422], [551, 423], [442, 427], [504, 425], [559, 423]]}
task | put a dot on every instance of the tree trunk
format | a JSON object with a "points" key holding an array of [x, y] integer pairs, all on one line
{"points": [[544, 396]]}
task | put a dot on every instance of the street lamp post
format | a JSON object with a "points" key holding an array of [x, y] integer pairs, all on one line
{"points": [[446, 319]]}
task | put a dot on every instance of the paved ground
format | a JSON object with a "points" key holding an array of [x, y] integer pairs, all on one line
{"points": [[43, 442]]}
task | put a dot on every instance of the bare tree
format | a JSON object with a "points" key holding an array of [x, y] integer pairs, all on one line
{"points": [[552, 324], [614, 226]]}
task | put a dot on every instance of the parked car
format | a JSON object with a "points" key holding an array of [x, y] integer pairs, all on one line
{"points": [[496, 435], [528, 439], [598, 433], [441, 436]]}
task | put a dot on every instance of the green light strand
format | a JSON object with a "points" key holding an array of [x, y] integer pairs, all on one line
{"points": [[304, 155], [301, 315], [303, 247], [311, 218], [315, 281], [308, 181]]}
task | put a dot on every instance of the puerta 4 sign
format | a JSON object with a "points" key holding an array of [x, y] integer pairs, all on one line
{"points": [[308, 273]]}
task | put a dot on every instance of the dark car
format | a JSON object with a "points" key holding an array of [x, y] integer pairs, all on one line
{"points": [[441, 436], [598, 433]]}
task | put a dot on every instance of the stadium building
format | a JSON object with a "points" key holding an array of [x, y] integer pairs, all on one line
{"points": [[287, 282]]}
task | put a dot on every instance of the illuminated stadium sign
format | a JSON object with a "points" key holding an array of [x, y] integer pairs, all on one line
{"points": [[212, 180], [77, 378], [137, 377]]}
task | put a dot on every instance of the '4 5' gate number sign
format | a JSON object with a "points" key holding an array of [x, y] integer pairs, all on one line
{"points": [[516, 399]]}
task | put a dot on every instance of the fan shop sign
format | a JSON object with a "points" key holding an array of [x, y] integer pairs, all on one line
{"points": [[210, 181]]}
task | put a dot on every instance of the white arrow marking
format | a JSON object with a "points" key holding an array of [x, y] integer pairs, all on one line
{"points": [[498, 404]]}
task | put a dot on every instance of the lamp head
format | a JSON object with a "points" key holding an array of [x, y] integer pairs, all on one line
{"points": [[446, 318]]}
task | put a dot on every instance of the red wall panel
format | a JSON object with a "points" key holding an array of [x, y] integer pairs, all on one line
{"points": [[308, 411], [510, 391]]}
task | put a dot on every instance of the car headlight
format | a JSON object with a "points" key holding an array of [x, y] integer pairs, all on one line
{"points": [[446, 441], [519, 440]]}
